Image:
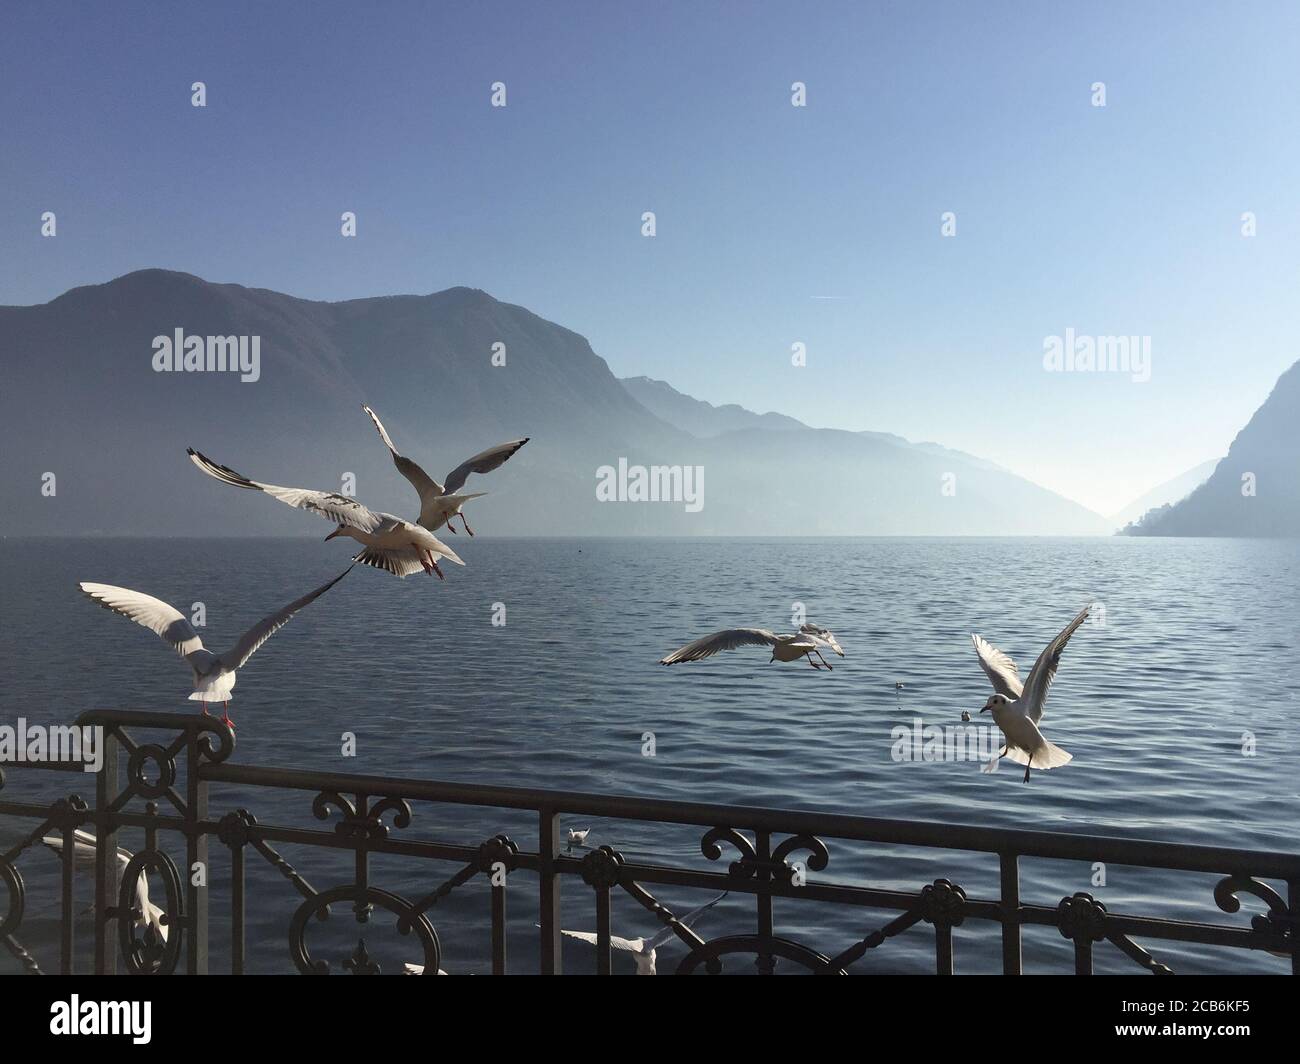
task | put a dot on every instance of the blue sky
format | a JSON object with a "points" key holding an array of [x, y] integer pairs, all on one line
{"points": [[1117, 220]]}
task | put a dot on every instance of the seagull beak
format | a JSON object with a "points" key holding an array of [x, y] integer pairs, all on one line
{"points": [[336, 532], [985, 709]]}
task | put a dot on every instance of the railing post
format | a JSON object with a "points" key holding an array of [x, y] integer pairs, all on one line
{"points": [[604, 962], [196, 853], [69, 914], [765, 961], [498, 930], [106, 870], [1010, 913], [549, 917]]}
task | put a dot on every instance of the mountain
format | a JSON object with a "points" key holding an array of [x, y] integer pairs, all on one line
{"points": [[697, 417], [704, 420], [1255, 490], [1166, 494], [82, 401]]}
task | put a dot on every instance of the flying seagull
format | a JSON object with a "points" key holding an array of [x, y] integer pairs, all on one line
{"points": [[643, 950], [214, 674], [146, 914], [439, 503], [803, 643], [1018, 707], [392, 544]]}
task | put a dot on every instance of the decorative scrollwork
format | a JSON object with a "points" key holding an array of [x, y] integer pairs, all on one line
{"points": [[208, 729], [363, 899], [943, 903], [355, 825], [819, 859], [137, 766], [602, 868], [1081, 918], [775, 867], [143, 947], [710, 848], [1279, 919]]}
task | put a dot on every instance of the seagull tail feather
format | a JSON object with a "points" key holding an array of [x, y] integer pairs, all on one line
{"points": [[1049, 755]]}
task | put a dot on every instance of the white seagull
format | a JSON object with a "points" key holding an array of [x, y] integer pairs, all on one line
{"points": [[642, 950], [214, 674], [83, 855], [392, 544], [1018, 707], [439, 503], [578, 838], [803, 643]]}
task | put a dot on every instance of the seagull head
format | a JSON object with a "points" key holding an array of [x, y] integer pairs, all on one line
{"points": [[995, 702]]}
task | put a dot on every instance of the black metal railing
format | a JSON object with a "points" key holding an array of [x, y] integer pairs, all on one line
{"points": [[165, 790]]}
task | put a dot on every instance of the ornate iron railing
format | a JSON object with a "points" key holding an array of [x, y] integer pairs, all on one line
{"points": [[166, 793]]}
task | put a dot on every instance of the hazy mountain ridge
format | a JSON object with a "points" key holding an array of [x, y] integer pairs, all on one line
{"points": [[1255, 489], [82, 401], [1164, 494]]}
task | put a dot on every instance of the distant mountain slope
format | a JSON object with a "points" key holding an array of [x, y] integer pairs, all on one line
{"points": [[1165, 494], [704, 420], [82, 401], [697, 417], [1255, 490]]}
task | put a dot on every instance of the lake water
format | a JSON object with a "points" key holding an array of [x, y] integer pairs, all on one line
{"points": [[1198, 648]]}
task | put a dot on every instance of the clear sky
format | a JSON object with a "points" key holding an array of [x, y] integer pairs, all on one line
{"points": [[775, 224]]}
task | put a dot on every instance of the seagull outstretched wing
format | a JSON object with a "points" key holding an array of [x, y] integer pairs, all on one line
{"points": [[728, 639], [1044, 670], [330, 505], [166, 621], [248, 643], [483, 462], [425, 486], [999, 668]]}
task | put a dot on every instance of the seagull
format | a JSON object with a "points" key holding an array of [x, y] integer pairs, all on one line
{"points": [[642, 949], [439, 503], [214, 674], [578, 838], [803, 643], [146, 913], [1018, 707], [392, 544], [416, 969]]}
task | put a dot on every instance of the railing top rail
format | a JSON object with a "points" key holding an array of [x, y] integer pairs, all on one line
{"points": [[1060, 845]]}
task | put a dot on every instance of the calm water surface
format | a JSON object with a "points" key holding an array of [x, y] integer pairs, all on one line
{"points": [[1198, 649]]}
